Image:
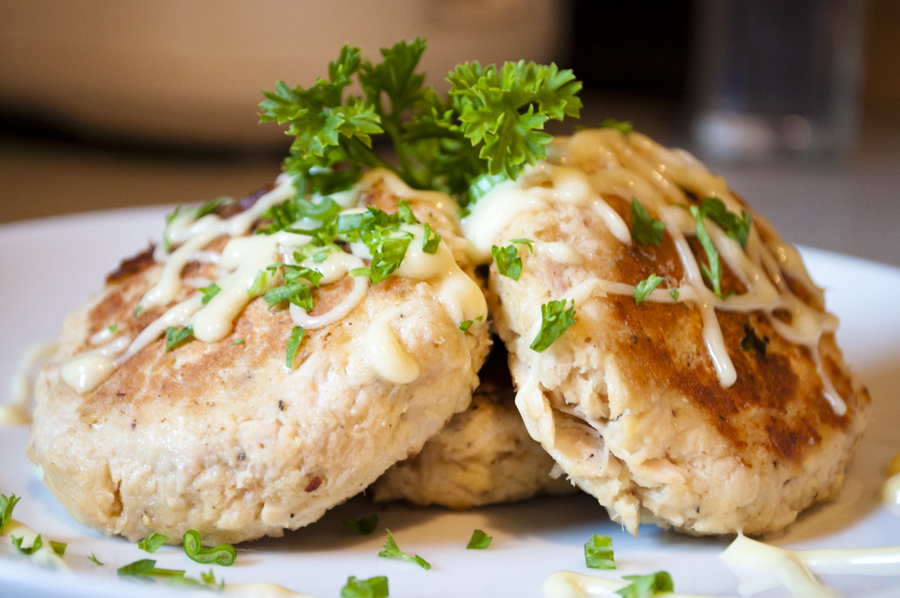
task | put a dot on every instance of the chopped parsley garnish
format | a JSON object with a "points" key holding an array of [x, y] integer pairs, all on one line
{"points": [[528, 242], [210, 207], [7, 504], [294, 288], [644, 228], [712, 272], [59, 548], [223, 554], [364, 526], [392, 551], [138, 310], [374, 587], [644, 586], [464, 326], [294, 344], [555, 320], [259, 285], [209, 292], [95, 560], [645, 287], [479, 541], [622, 126], [509, 264], [175, 337], [598, 553], [674, 294], [431, 241], [485, 130], [152, 542], [237, 341], [738, 228], [35, 546], [113, 328], [146, 568]]}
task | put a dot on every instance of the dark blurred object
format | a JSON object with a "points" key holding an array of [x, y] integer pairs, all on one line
{"points": [[777, 80], [638, 47]]}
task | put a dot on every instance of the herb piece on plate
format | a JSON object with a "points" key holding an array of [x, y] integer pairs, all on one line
{"points": [[598, 553], [392, 551], [479, 541], [223, 555]]}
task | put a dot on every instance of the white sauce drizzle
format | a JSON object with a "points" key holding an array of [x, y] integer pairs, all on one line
{"points": [[594, 163], [245, 256], [17, 412], [890, 492], [560, 253], [568, 584], [261, 590], [43, 556]]}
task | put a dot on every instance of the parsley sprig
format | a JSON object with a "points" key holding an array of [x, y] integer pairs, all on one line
{"points": [[392, 551], [555, 320]]}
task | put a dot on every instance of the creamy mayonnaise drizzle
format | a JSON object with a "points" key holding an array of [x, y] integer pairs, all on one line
{"points": [[245, 257], [43, 556], [890, 492], [582, 169], [261, 590], [17, 411]]}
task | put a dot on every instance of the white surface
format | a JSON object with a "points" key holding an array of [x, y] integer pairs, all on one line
{"points": [[49, 267]]}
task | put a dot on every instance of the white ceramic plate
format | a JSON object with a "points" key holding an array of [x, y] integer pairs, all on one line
{"points": [[49, 267]]}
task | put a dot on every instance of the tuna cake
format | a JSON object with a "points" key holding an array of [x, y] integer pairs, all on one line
{"points": [[241, 384], [483, 456], [669, 349]]}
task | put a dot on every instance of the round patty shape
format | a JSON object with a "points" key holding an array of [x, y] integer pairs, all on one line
{"points": [[221, 436], [483, 456], [716, 402]]}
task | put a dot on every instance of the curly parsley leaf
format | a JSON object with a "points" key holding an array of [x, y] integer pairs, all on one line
{"points": [[374, 587], [95, 560], [223, 555], [645, 287], [713, 271], [598, 553], [465, 325], [674, 294], [209, 292], [175, 337], [644, 586], [364, 526], [527, 242], [152, 542], [7, 504], [479, 541], [294, 344], [555, 320], [259, 285], [509, 264], [59, 548], [644, 228], [431, 240], [35, 546], [146, 568], [738, 228], [392, 551], [622, 126]]}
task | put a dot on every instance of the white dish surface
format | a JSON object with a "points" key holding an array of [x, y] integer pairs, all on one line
{"points": [[51, 266]]}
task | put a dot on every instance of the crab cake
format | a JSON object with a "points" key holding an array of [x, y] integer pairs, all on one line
{"points": [[670, 351], [482, 456], [259, 418]]}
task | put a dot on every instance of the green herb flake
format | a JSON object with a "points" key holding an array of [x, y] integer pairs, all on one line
{"points": [[259, 285], [210, 207], [146, 568], [152, 542], [359, 272], [95, 560], [392, 551], [528, 242], [321, 256], [223, 555], [113, 328], [738, 228], [464, 326], [175, 337], [479, 541], [645, 287], [364, 526], [35, 546], [209, 292], [644, 228], [59, 548], [644, 586], [431, 241], [674, 294], [712, 272], [374, 587], [138, 310], [237, 341], [7, 504], [294, 344], [509, 264], [555, 320], [598, 553], [622, 126]]}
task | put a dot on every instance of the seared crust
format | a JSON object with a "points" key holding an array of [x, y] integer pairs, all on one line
{"points": [[629, 404], [221, 437], [483, 456]]}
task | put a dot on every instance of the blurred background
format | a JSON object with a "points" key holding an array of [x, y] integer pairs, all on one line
{"points": [[117, 103]]}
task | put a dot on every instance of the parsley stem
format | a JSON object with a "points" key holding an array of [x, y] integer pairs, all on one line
{"points": [[370, 158]]}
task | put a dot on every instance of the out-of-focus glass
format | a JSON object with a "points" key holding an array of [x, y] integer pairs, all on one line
{"points": [[777, 79]]}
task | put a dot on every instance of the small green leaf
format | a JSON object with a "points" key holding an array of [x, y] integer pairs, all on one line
{"points": [[59, 548], [479, 541], [736, 228], [35, 546], [645, 287], [364, 526], [645, 229], [209, 292], [555, 320], [509, 264], [175, 337], [431, 240], [374, 587], [259, 285], [146, 568], [644, 586], [237, 341], [391, 550], [622, 126], [7, 504], [598, 553], [95, 560], [223, 555], [712, 272], [138, 310], [464, 326], [152, 542], [674, 294], [359, 272], [113, 328], [294, 344], [528, 242]]}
